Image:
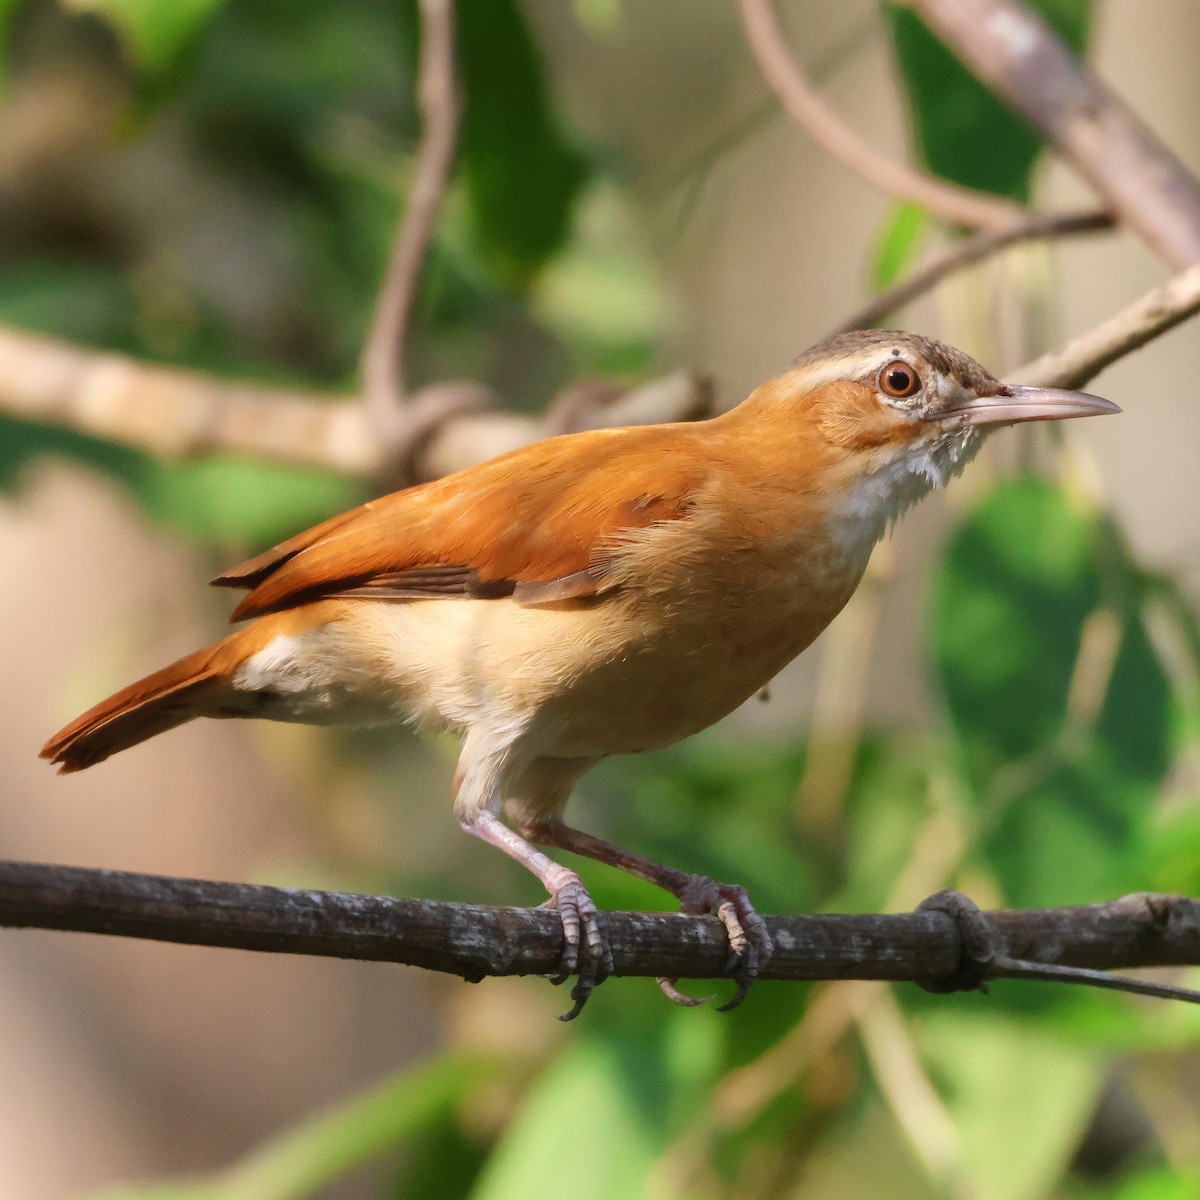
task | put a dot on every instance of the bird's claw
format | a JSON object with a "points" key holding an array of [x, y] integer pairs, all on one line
{"points": [[749, 942], [585, 948], [672, 993]]}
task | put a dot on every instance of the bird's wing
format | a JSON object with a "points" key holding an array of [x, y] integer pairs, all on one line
{"points": [[531, 523]]}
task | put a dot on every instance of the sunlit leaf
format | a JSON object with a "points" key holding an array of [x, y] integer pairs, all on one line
{"points": [[585, 1121], [218, 499], [962, 131], [1019, 1099], [236, 500], [155, 31], [897, 244], [600, 295], [1159, 1183]]}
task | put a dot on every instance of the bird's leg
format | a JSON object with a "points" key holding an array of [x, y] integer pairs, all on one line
{"points": [[585, 948], [749, 941]]}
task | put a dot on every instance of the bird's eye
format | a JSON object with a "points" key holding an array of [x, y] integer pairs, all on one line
{"points": [[900, 380]]}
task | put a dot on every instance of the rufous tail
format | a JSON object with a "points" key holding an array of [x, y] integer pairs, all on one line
{"points": [[191, 687]]}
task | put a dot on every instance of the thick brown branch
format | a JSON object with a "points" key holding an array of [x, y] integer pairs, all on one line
{"points": [[1015, 53], [174, 413], [475, 941], [967, 254], [949, 201], [383, 356], [179, 414]]}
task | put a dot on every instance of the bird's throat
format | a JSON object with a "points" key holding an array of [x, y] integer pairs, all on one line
{"points": [[892, 479]]}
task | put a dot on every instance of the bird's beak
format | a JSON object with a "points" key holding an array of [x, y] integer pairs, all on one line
{"points": [[1028, 404]]}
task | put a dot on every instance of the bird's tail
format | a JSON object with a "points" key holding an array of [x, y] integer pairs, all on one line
{"points": [[195, 686]]}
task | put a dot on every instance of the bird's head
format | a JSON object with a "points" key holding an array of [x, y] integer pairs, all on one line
{"points": [[897, 414]]}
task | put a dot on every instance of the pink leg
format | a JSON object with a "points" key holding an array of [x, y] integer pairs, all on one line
{"points": [[749, 940], [580, 917]]}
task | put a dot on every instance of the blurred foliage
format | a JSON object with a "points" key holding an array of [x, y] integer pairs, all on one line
{"points": [[156, 34], [1066, 674], [898, 244], [962, 131]]}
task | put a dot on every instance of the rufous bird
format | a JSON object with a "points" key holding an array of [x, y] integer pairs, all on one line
{"points": [[599, 593]]}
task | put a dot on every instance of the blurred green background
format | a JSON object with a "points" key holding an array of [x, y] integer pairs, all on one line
{"points": [[1011, 704]]}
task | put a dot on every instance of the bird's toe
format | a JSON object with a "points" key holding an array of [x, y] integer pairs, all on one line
{"points": [[586, 951], [749, 940]]}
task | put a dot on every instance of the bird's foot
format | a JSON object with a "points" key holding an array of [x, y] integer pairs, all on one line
{"points": [[585, 948], [749, 942]]}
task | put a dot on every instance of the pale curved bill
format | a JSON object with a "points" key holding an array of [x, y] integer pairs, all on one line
{"points": [[1031, 404]]}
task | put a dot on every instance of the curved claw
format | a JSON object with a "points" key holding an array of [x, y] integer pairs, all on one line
{"points": [[749, 942], [746, 974], [672, 993], [580, 994], [585, 948]]}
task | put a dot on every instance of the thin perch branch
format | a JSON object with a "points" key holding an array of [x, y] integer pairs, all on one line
{"points": [[476, 941], [949, 201], [1013, 51], [1085, 356], [384, 352], [969, 252]]}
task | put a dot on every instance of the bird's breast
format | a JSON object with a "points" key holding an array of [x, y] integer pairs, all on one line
{"points": [[698, 621]]}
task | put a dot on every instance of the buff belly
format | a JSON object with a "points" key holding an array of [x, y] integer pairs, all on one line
{"points": [[581, 680]]}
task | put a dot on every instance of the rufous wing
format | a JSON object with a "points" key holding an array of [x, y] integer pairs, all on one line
{"points": [[530, 523]]}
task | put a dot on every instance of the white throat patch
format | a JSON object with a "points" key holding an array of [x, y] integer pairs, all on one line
{"points": [[862, 514]]}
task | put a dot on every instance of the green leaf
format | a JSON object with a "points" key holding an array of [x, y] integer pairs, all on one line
{"points": [[1019, 1098], [216, 499], [301, 1161], [1063, 802], [897, 244], [963, 133], [7, 9], [444, 1162], [599, 294], [237, 500], [156, 32], [1160, 1183], [522, 173], [587, 1120]]}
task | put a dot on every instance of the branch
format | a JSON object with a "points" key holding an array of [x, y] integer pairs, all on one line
{"points": [[475, 941], [1085, 356], [972, 251], [1014, 52], [382, 365], [175, 414], [949, 201]]}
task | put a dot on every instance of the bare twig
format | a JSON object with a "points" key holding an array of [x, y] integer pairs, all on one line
{"points": [[476, 941], [949, 201], [384, 351], [1085, 356], [971, 251], [1012, 50]]}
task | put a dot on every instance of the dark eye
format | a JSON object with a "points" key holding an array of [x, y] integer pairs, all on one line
{"points": [[900, 380]]}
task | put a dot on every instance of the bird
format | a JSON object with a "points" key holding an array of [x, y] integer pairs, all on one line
{"points": [[598, 593]]}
